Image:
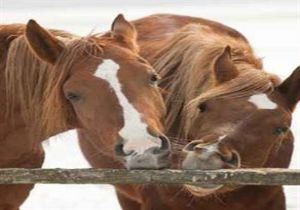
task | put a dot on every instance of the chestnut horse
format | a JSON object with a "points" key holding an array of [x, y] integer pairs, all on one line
{"points": [[223, 106], [52, 81]]}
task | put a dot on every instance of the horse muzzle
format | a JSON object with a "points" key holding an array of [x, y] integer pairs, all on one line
{"points": [[208, 156], [155, 157]]}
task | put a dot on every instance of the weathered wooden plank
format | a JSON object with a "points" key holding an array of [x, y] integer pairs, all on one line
{"points": [[114, 176]]}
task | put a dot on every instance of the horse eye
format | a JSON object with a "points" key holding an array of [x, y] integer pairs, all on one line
{"points": [[280, 130], [154, 78], [202, 107], [72, 96]]}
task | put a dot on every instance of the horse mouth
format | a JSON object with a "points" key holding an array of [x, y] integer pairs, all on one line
{"points": [[203, 190]]}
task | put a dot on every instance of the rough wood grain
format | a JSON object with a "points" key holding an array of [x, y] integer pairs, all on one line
{"points": [[114, 176]]}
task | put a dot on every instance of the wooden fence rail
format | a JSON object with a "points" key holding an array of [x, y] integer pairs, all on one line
{"points": [[115, 176]]}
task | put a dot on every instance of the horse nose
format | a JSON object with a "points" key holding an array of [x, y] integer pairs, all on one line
{"points": [[231, 160], [209, 156], [165, 144], [152, 158]]}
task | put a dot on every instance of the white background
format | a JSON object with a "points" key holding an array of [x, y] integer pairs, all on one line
{"points": [[272, 27]]}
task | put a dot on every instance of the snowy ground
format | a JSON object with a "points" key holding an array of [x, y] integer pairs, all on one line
{"points": [[273, 28]]}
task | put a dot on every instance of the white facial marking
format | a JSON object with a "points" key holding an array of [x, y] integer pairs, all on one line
{"points": [[209, 150], [134, 132], [221, 138], [261, 101], [212, 148]]}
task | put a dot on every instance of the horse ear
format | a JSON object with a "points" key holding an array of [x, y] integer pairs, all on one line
{"points": [[224, 67], [290, 89], [42, 42], [124, 32]]}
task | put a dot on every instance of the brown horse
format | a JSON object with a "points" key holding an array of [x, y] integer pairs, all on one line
{"points": [[52, 81], [220, 104]]}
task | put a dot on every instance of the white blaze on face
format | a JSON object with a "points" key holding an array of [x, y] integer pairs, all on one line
{"points": [[211, 148], [221, 138], [261, 101], [134, 132]]}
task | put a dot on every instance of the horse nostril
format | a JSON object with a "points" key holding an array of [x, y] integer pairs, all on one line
{"points": [[119, 150], [232, 160], [193, 146], [199, 149], [165, 143]]}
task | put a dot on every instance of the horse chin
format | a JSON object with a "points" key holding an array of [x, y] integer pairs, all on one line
{"points": [[203, 191]]}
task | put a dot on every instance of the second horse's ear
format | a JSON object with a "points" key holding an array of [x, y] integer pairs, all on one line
{"points": [[290, 89], [224, 68], [44, 45], [124, 32]]}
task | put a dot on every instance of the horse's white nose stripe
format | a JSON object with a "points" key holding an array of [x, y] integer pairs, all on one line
{"points": [[221, 138], [261, 101], [134, 131], [209, 150]]}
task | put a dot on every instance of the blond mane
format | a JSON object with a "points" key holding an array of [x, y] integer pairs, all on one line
{"points": [[186, 66], [34, 87]]}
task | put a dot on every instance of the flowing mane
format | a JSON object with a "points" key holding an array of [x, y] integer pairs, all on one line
{"points": [[35, 87], [186, 63], [52, 82]]}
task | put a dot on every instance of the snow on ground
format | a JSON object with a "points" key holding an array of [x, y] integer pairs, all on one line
{"points": [[273, 28]]}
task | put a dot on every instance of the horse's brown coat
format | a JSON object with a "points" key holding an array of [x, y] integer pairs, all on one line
{"points": [[48, 86], [197, 75]]}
